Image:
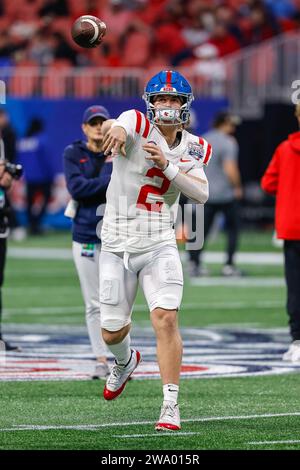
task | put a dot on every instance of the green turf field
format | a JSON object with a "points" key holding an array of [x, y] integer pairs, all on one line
{"points": [[250, 412], [217, 414]]}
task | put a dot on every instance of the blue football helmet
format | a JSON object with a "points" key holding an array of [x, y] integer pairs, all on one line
{"points": [[168, 82]]}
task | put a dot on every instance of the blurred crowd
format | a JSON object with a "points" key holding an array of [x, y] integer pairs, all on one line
{"points": [[141, 33]]}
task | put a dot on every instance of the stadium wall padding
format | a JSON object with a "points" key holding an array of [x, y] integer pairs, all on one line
{"points": [[63, 117]]}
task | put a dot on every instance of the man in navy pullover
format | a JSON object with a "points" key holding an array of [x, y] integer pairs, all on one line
{"points": [[88, 172]]}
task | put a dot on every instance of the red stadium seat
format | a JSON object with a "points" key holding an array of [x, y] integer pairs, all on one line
{"points": [[55, 83], [25, 80], [85, 83]]}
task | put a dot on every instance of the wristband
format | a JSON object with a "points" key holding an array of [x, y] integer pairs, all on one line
{"points": [[171, 171]]}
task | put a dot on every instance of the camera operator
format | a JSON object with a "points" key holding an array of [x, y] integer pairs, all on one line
{"points": [[9, 138], [8, 172]]}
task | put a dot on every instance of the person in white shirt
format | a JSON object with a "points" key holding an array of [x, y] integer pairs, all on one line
{"points": [[155, 159]]}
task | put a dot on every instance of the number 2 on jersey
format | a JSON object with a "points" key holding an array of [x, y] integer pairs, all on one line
{"points": [[148, 188]]}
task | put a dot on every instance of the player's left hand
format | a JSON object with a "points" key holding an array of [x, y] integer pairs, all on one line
{"points": [[156, 155]]}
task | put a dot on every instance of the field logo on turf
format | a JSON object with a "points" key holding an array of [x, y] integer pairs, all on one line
{"points": [[208, 353]]}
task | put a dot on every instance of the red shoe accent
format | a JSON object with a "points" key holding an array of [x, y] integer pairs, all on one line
{"points": [[108, 394], [172, 427]]}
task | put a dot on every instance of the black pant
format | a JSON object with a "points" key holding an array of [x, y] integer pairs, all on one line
{"points": [[230, 211], [33, 189], [2, 266], [292, 276]]}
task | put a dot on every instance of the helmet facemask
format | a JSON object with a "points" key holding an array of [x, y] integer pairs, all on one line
{"points": [[168, 116]]}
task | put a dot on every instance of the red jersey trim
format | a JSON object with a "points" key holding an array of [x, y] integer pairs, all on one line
{"points": [[208, 154], [138, 122], [147, 128]]}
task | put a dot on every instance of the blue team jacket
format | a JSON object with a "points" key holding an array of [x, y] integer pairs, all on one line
{"points": [[87, 176]]}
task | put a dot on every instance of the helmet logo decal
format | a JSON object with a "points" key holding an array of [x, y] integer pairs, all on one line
{"points": [[168, 88]]}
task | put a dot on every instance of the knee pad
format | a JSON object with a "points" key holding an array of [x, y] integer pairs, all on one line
{"points": [[170, 271], [109, 291], [114, 311], [113, 324]]}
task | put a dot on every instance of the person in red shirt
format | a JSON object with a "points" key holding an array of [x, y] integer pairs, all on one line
{"points": [[282, 179]]}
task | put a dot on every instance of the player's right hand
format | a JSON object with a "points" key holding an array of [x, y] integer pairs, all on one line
{"points": [[114, 141]]}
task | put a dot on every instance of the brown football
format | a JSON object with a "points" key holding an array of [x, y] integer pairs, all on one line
{"points": [[88, 31]]}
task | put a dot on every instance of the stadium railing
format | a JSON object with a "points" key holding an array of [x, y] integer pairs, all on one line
{"points": [[248, 78], [263, 74]]}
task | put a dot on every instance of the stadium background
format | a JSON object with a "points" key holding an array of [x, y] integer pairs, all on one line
{"points": [[238, 55]]}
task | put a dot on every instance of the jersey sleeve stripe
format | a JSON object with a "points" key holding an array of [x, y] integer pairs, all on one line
{"points": [[207, 150], [147, 127], [208, 155], [138, 121]]}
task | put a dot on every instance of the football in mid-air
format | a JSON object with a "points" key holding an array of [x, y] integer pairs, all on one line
{"points": [[88, 31]]}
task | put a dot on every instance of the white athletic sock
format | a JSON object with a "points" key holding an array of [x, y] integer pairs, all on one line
{"points": [[171, 392], [121, 351]]}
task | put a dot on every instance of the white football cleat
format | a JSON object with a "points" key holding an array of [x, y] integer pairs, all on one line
{"points": [[293, 353], [169, 419], [101, 371], [119, 376], [229, 270]]}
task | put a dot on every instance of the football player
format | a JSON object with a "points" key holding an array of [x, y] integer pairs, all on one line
{"points": [[155, 160]]}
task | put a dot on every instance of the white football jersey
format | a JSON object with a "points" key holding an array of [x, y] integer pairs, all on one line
{"points": [[142, 204]]}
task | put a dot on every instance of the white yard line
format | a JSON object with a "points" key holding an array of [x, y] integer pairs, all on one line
{"points": [[250, 258], [143, 308], [273, 442], [271, 259], [210, 257], [40, 253], [91, 427], [158, 434], [246, 282]]}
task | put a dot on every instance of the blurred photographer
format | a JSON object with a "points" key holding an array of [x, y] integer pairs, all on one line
{"points": [[9, 137], [8, 172]]}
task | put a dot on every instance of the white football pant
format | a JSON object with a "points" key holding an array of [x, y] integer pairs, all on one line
{"points": [[159, 273], [88, 272]]}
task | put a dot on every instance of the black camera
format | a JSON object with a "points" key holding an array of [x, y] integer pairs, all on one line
{"points": [[16, 171]]}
